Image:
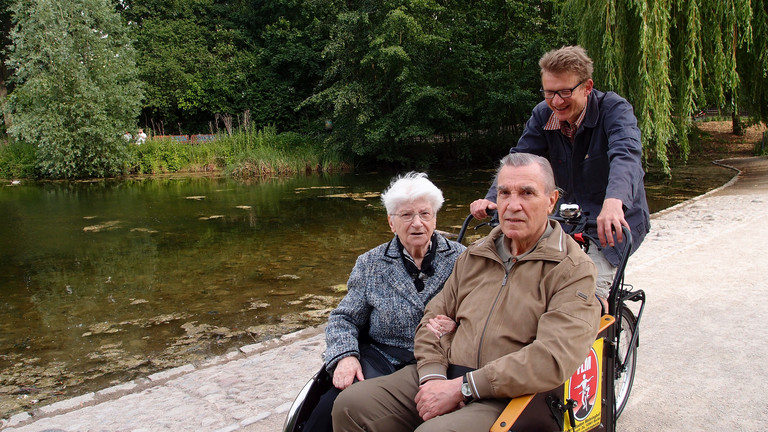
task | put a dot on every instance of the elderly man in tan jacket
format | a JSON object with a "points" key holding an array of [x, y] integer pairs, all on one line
{"points": [[524, 301]]}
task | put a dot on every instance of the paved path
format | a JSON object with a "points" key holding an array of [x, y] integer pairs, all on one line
{"points": [[700, 363]]}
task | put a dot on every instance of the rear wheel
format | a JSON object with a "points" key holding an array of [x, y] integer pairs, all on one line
{"points": [[626, 360]]}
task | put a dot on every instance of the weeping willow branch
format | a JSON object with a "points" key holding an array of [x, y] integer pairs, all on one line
{"points": [[672, 58]]}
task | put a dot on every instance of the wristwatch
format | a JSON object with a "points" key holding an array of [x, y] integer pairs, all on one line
{"points": [[466, 391]]}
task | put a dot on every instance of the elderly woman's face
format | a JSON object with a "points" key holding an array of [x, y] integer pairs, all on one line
{"points": [[414, 224]]}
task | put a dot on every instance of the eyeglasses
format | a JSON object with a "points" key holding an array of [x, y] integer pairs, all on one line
{"points": [[564, 93], [425, 216]]}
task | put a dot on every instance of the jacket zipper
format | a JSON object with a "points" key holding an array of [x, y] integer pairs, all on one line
{"points": [[493, 308]]}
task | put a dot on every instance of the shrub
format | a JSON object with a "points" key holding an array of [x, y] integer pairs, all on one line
{"points": [[17, 160]]}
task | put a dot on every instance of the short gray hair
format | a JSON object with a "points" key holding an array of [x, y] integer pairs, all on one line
{"points": [[525, 159], [411, 187]]}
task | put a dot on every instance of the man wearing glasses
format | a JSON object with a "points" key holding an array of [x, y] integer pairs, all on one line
{"points": [[592, 140]]}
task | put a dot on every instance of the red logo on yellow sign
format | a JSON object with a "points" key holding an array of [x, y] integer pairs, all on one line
{"points": [[584, 387]]}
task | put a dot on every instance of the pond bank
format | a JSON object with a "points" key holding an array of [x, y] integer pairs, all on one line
{"points": [[690, 302]]}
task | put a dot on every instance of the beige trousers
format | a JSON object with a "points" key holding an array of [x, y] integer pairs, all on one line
{"points": [[386, 404]]}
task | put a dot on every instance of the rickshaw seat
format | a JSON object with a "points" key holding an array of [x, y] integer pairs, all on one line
{"points": [[517, 405]]}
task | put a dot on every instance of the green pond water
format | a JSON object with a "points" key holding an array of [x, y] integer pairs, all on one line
{"points": [[106, 281]]}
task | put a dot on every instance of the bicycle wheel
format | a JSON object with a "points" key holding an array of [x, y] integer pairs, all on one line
{"points": [[626, 360]]}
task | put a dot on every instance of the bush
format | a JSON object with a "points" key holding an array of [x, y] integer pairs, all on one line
{"points": [[246, 153], [17, 160]]}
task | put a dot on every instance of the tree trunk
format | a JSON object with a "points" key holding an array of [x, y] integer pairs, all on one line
{"points": [[3, 94], [738, 128]]}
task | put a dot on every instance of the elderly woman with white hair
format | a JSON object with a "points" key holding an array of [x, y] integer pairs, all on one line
{"points": [[371, 331]]}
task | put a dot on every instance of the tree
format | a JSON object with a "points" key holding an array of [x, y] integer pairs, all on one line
{"points": [[200, 58], [77, 90], [404, 74], [752, 60], [669, 58], [5, 73]]}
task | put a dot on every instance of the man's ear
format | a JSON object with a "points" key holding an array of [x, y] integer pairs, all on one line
{"points": [[391, 223], [588, 86], [553, 197]]}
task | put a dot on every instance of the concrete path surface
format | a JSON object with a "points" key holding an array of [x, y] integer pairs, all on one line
{"points": [[701, 360]]}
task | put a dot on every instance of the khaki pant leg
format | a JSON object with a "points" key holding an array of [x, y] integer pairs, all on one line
{"points": [[478, 416], [382, 404], [605, 271]]}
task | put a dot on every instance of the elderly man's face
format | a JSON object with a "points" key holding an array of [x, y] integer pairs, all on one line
{"points": [[523, 205], [566, 109], [411, 228]]}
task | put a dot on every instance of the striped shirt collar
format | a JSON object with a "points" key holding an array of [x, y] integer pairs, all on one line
{"points": [[554, 124]]}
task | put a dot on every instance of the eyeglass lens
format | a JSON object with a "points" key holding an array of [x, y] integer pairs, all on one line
{"points": [[409, 217]]}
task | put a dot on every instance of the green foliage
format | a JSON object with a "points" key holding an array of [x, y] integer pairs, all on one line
{"points": [[409, 70], [200, 58], [76, 86], [17, 160], [248, 152], [265, 152], [672, 58], [752, 60], [5, 73]]}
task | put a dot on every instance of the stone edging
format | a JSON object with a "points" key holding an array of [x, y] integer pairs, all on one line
{"points": [[731, 182], [154, 380]]}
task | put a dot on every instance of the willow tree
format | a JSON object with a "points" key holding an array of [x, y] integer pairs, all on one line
{"points": [[77, 89], [753, 64], [669, 58]]}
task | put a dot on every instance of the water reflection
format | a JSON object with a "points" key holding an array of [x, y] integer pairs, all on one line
{"points": [[105, 281]]}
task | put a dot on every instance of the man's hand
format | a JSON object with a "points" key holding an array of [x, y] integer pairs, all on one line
{"points": [[610, 220], [438, 397], [441, 325], [478, 207], [346, 371]]}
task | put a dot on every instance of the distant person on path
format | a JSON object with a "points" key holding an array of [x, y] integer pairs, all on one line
{"points": [[371, 331], [592, 140], [524, 301], [141, 137], [127, 136]]}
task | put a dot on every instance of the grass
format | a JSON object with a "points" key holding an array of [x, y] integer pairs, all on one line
{"points": [[245, 154]]}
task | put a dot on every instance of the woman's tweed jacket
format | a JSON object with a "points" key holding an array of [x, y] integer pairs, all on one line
{"points": [[380, 292]]}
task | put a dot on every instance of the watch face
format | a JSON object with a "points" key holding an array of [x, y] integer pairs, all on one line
{"points": [[465, 390]]}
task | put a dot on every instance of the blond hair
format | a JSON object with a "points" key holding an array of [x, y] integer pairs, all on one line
{"points": [[568, 59]]}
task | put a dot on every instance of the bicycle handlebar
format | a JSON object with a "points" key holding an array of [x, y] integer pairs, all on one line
{"points": [[573, 216]]}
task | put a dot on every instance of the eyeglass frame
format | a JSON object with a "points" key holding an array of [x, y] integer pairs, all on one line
{"points": [[557, 92], [410, 217]]}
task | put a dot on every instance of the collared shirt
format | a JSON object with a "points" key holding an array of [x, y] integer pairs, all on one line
{"points": [[567, 129], [502, 247]]}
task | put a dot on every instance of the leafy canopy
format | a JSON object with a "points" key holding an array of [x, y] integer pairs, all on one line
{"points": [[77, 90]]}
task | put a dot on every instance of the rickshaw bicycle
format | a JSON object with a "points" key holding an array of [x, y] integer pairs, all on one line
{"points": [[611, 362], [621, 336]]}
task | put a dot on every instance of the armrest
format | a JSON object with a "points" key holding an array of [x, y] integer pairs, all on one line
{"points": [[605, 322], [516, 406]]}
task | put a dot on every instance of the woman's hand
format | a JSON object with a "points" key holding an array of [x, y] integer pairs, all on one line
{"points": [[347, 369], [441, 325]]}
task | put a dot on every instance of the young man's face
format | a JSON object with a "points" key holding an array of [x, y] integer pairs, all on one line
{"points": [[566, 109]]}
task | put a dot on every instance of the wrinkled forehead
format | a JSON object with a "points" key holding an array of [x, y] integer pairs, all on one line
{"points": [[526, 177], [417, 205]]}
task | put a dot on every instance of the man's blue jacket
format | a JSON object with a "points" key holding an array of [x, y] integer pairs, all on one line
{"points": [[605, 161]]}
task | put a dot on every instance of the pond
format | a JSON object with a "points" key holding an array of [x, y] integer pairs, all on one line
{"points": [[106, 281]]}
